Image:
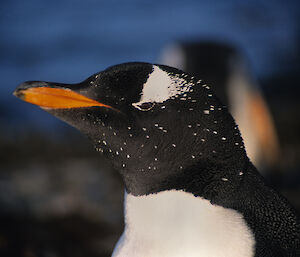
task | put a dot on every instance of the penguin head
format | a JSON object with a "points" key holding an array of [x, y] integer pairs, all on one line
{"points": [[152, 122]]}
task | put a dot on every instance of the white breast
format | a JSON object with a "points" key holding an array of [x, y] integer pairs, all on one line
{"points": [[178, 224]]}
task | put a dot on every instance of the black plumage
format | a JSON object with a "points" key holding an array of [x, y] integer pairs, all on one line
{"points": [[187, 142]]}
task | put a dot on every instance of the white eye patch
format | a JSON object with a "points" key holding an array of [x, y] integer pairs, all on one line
{"points": [[162, 86]]}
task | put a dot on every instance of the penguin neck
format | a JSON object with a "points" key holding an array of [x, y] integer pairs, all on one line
{"points": [[216, 182]]}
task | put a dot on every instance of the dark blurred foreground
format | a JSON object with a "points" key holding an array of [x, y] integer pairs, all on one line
{"points": [[57, 198]]}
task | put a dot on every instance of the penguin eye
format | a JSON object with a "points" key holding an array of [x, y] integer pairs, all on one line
{"points": [[144, 106]]}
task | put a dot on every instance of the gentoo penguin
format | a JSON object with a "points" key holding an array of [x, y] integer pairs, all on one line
{"points": [[190, 187], [225, 68]]}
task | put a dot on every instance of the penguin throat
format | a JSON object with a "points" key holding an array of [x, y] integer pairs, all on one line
{"points": [[215, 183]]}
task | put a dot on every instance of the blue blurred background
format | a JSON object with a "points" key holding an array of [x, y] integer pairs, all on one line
{"points": [[43, 193], [69, 40]]}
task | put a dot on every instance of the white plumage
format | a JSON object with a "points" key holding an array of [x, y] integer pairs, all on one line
{"points": [[178, 224]]}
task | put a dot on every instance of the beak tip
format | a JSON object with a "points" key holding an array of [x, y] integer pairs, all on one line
{"points": [[21, 88], [19, 93]]}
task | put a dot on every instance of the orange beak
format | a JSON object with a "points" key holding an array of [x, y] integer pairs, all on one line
{"points": [[56, 98]]}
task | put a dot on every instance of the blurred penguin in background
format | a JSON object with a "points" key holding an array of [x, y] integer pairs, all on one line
{"points": [[226, 71]]}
